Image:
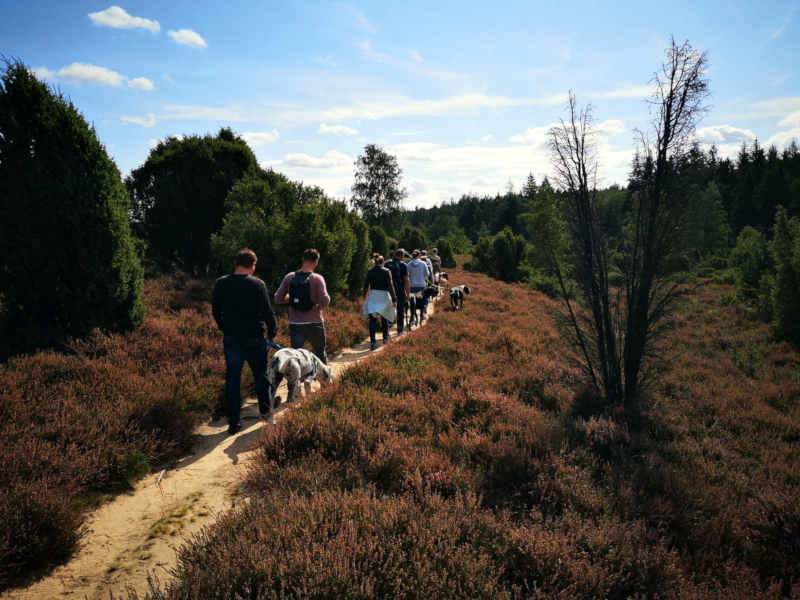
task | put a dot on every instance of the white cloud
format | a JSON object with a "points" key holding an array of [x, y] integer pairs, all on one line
{"points": [[489, 137], [366, 48], [535, 136], [88, 73], [364, 23], [148, 120], [141, 83], [407, 133], [330, 160], [260, 138], [416, 56], [626, 91], [539, 136], [84, 72], [44, 73], [786, 22], [360, 19], [610, 128], [791, 120], [187, 37], [774, 107], [117, 17], [210, 113], [782, 139], [336, 129], [723, 134], [375, 109]]}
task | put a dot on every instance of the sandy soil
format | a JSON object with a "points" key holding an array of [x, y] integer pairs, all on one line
{"points": [[138, 533]]}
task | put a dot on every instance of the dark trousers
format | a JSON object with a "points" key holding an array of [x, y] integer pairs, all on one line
{"points": [[417, 304], [237, 352], [401, 312], [373, 328], [314, 333]]}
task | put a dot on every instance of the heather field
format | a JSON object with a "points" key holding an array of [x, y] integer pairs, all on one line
{"points": [[83, 423], [465, 462]]}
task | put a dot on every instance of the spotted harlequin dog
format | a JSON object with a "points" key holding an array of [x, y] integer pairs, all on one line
{"points": [[296, 365], [457, 296]]}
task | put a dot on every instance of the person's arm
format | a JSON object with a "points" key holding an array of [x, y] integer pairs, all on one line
{"points": [[216, 305], [268, 313], [282, 295], [321, 296], [407, 282], [391, 287]]}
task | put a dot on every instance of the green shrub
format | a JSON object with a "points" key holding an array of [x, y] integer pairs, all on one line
{"points": [[446, 253], [178, 195], [751, 258], [785, 248], [378, 240], [68, 261], [412, 238], [257, 220]]}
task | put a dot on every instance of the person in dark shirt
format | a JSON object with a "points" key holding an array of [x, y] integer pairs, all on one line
{"points": [[402, 286], [241, 308], [380, 300]]}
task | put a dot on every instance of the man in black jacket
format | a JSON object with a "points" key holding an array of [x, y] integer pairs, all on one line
{"points": [[241, 308]]}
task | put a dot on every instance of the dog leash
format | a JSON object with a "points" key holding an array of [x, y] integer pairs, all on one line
{"points": [[275, 345]]}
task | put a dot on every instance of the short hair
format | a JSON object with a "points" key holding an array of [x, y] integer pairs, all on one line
{"points": [[245, 258], [378, 259], [398, 253], [435, 251], [415, 253], [311, 255], [423, 252]]}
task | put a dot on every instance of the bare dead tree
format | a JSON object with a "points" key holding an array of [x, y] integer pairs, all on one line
{"points": [[620, 325], [677, 104], [574, 159]]}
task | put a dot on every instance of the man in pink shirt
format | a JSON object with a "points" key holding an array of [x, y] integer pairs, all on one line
{"points": [[307, 295]]}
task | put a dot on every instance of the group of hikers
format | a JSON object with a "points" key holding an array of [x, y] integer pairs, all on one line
{"points": [[242, 309]]}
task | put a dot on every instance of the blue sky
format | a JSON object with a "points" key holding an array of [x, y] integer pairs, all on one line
{"points": [[461, 92]]}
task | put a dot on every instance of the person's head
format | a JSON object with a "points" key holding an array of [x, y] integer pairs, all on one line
{"points": [[398, 254], [415, 254], [423, 254], [378, 260], [310, 259], [245, 261], [435, 251]]}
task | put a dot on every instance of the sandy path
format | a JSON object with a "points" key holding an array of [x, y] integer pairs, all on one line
{"points": [[139, 532]]}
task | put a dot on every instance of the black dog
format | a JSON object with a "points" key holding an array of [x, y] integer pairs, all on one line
{"points": [[457, 296]]}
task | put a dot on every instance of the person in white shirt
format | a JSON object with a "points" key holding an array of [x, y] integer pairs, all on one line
{"points": [[418, 273]]}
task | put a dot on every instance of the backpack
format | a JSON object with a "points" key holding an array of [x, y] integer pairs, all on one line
{"points": [[397, 277], [300, 291]]}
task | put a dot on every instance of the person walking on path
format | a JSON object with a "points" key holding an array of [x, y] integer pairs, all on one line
{"points": [[436, 261], [307, 295], [418, 276], [241, 308], [380, 300], [402, 286]]}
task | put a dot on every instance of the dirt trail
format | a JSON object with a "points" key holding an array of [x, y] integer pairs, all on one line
{"points": [[139, 532]]}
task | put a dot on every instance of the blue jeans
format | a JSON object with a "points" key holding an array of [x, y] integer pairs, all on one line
{"points": [[237, 351]]}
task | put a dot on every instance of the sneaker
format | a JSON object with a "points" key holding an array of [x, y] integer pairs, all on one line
{"points": [[372, 346], [234, 429]]}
